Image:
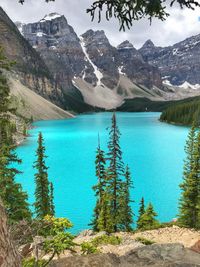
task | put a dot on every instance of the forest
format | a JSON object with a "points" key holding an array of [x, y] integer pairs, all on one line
{"points": [[183, 113]]}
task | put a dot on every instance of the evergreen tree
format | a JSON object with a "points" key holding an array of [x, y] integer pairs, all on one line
{"points": [[11, 193], [42, 194], [188, 214], [14, 199], [141, 212], [100, 187], [112, 211], [5, 125], [147, 220], [105, 219], [116, 172], [197, 169], [52, 206], [126, 213]]}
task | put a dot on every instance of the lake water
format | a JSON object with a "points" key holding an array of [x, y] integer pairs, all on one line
{"points": [[153, 150]]}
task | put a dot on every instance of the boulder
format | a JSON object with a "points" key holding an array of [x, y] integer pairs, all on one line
{"points": [[196, 247], [156, 255]]}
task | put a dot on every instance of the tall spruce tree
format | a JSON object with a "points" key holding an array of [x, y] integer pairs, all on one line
{"points": [[113, 210], [99, 189], [197, 161], [13, 197], [188, 214], [116, 172], [42, 194], [11, 193], [140, 212], [126, 212]]}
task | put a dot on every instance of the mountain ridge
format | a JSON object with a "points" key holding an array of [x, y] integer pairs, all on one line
{"points": [[86, 73], [90, 61], [101, 65]]}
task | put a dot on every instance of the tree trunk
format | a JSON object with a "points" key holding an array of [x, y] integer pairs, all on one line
{"points": [[9, 256]]}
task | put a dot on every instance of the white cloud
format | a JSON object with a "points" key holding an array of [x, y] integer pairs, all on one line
{"points": [[180, 25]]}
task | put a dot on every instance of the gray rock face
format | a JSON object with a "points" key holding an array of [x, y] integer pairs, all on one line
{"points": [[132, 64], [67, 56], [103, 55], [59, 46], [166, 255], [177, 63]]}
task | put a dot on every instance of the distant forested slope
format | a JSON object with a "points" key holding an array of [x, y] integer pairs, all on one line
{"points": [[183, 113]]}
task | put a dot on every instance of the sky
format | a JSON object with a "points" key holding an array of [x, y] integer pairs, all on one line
{"points": [[180, 25]]}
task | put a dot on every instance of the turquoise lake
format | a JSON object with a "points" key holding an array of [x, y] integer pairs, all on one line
{"points": [[153, 150]]}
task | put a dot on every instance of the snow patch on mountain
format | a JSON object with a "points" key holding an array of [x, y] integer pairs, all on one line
{"points": [[97, 72], [167, 82], [40, 34], [120, 70], [51, 16], [187, 85]]}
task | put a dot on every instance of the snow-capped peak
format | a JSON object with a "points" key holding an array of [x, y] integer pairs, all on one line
{"points": [[51, 16]]}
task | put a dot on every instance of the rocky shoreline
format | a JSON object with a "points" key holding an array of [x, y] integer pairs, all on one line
{"points": [[169, 247]]}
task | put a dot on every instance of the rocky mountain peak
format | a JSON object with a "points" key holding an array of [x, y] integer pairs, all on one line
{"points": [[179, 62], [51, 16], [95, 37], [125, 45], [52, 31], [148, 44]]}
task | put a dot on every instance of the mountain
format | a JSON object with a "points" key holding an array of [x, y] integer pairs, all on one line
{"points": [[86, 73], [89, 66], [32, 70], [179, 64], [29, 65]]}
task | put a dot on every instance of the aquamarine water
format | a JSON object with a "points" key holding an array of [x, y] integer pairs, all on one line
{"points": [[153, 150]]}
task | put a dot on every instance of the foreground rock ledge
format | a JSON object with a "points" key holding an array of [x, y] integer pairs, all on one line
{"points": [[156, 255]]}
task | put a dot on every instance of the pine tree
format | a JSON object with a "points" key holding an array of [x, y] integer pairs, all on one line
{"points": [[116, 172], [42, 194], [100, 187], [105, 219], [126, 212], [140, 212], [147, 220], [52, 206], [197, 169], [11, 193], [4, 109], [13, 198], [189, 197]]}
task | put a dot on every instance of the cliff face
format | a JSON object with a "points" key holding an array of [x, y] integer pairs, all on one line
{"points": [[133, 65], [91, 57], [32, 70], [178, 63], [88, 67], [30, 67], [80, 73]]}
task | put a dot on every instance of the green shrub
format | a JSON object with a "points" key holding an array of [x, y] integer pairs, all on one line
{"points": [[144, 240], [106, 239], [30, 262], [88, 248]]}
